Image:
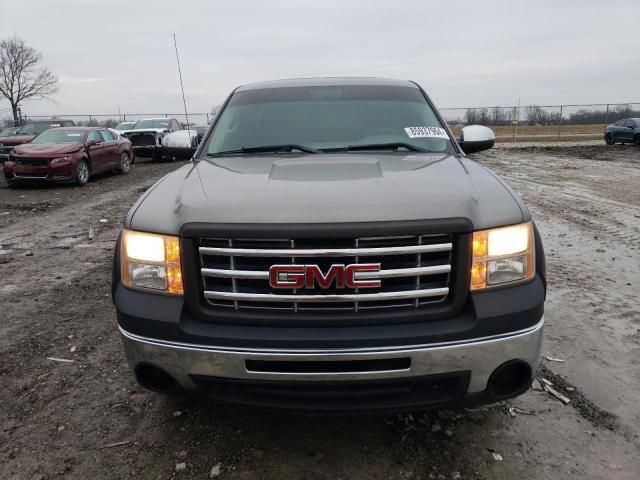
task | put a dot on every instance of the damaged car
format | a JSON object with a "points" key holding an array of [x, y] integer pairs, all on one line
{"points": [[182, 145], [147, 134]]}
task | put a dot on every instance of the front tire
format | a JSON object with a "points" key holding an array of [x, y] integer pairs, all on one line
{"points": [[608, 139], [125, 163], [636, 139], [82, 173]]}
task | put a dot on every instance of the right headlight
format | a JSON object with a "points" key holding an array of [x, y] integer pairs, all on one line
{"points": [[151, 262], [502, 256], [60, 160]]}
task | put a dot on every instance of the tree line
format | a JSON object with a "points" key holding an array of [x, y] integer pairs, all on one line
{"points": [[535, 115]]}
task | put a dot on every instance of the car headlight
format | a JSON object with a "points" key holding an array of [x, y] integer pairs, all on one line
{"points": [[60, 160], [502, 256], [151, 262]]}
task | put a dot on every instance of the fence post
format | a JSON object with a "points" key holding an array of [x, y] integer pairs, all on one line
{"points": [[560, 120], [90, 120], [606, 118]]}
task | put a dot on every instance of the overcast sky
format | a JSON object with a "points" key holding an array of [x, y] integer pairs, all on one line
{"points": [[112, 54]]}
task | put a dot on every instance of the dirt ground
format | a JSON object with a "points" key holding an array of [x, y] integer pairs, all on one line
{"points": [[89, 419], [546, 133]]}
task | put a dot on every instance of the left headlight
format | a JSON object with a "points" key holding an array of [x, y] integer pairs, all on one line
{"points": [[151, 262], [502, 256]]}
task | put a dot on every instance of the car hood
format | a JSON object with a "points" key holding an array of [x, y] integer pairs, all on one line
{"points": [[145, 130], [47, 149], [327, 188], [16, 139]]}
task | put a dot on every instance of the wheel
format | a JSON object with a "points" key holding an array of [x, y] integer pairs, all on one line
{"points": [[608, 140], [157, 157], [125, 163], [636, 139], [82, 173]]}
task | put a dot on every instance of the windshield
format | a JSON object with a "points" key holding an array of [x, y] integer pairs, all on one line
{"points": [[36, 128], [152, 123], [325, 118], [124, 126], [8, 132], [59, 136]]}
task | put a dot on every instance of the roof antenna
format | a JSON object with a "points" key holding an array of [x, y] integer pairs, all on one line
{"points": [[184, 101]]}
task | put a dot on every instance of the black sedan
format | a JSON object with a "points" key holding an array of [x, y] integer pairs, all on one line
{"points": [[623, 131]]}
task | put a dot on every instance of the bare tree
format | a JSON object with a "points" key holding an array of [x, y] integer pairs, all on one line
{"points": [[21, 77]]}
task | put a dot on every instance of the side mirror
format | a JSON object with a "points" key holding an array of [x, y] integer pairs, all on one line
{"points": [[475, 138], [91, 143]]}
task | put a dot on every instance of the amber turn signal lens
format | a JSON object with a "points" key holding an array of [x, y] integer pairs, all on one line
{"points": [[478, 275]]}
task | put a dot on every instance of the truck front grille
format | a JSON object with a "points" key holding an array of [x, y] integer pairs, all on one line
{"points": [[142, 139], [32, 162], [414, 272], [6, 150]]}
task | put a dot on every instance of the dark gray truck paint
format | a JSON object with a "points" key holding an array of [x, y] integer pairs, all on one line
{"points": [[329, 188]]}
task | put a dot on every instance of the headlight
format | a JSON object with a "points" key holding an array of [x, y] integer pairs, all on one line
{"points": [[151, 262], [502, 256], [60, 160]]}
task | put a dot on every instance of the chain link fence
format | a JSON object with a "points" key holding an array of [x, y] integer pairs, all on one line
{"points": [[112, 119], [513, 123], [543, 122]]}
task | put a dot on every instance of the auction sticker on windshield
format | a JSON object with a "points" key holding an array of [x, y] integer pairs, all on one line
{"points": [[426, 132]]}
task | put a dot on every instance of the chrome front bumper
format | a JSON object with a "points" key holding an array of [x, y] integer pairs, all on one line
{"points": [[479, 356]]}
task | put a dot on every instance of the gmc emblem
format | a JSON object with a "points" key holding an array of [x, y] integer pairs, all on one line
{"points": [[311, 276]]}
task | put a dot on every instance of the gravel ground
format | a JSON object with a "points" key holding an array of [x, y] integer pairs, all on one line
{"points": [[88, 418]]}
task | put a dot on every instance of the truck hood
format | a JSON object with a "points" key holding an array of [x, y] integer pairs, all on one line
{"points": [[327, 188], [47, 149], [16, 139], [146, 130]]}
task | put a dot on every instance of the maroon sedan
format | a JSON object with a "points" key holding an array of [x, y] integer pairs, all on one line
{"points": [[68, 154]]}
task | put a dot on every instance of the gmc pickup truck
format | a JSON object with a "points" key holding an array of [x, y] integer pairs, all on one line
{"points": [[330, 249]]}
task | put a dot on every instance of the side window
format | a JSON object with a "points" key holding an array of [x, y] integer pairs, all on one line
{"points": [[94, 135], [106, 135]]}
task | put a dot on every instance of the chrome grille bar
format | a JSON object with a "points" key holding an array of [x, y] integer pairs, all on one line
{"points": [[415, 271], [359, 297], [395, 273], [327, 252]]}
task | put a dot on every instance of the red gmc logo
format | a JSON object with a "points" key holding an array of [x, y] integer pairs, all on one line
{"points": [[311, 276]]}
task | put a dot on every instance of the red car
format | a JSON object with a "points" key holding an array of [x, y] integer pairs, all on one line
{"points": [[68, 154]]}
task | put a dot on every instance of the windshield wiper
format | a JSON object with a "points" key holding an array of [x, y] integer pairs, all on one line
{"points": [[378, 146], [266, 149]]}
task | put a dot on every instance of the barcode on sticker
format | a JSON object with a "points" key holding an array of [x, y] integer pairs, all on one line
{"points": [[426, 132]]}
